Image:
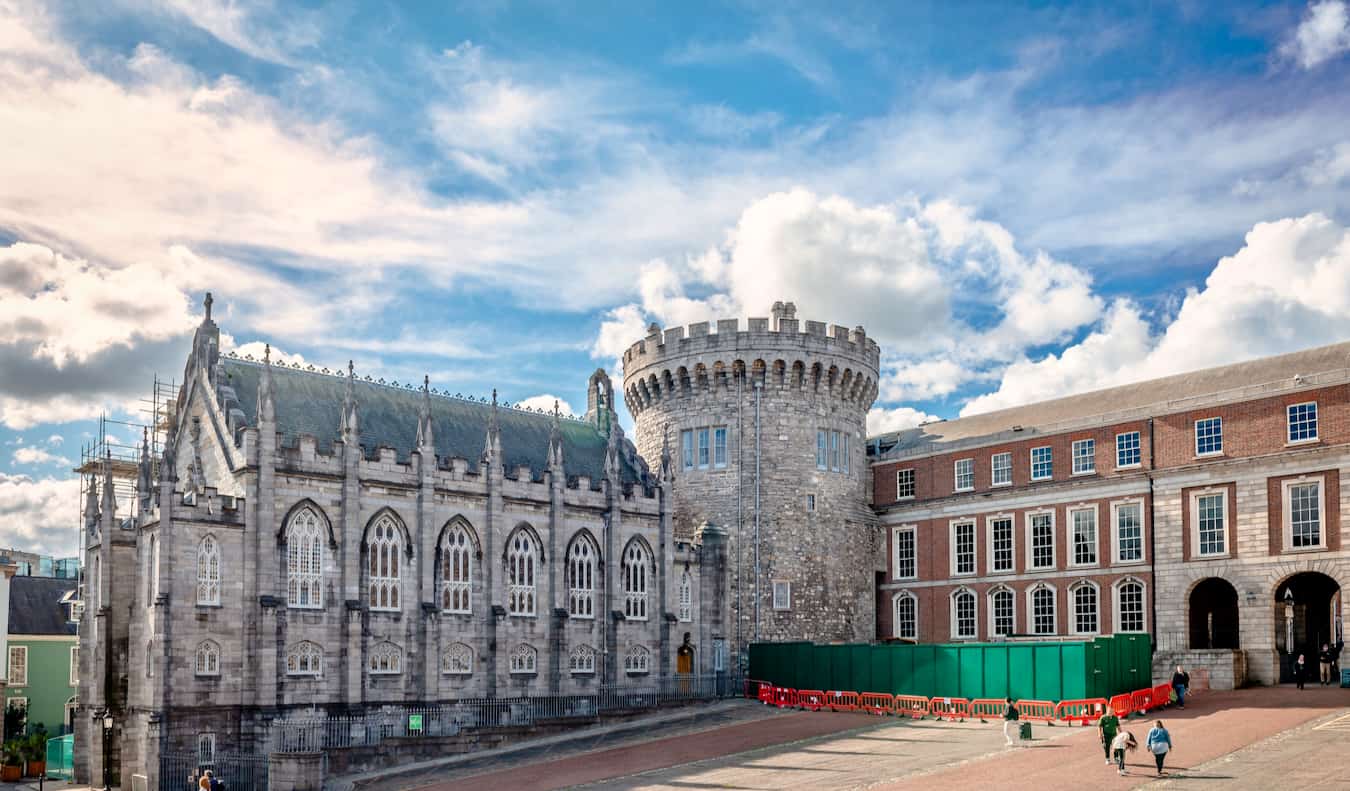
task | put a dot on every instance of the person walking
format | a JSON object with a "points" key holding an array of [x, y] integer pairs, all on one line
{"points": [[1300, 671], [1106, 730], [1324, 659], [1181, 681], [1159, 743], [1119, 744], [1010, 724]]}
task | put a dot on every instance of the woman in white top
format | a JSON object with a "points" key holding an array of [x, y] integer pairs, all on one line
{"points": [[1123, 741]]}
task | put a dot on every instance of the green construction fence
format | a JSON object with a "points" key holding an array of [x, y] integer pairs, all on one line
{"points": [[1069, 670]]}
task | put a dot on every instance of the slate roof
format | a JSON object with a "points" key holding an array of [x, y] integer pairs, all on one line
{"points": [[1239, 381], [311, 403], [35, 605]]}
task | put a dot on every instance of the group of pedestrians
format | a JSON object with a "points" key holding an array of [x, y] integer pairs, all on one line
{"points": [[1117, 742], [1328, 660]]}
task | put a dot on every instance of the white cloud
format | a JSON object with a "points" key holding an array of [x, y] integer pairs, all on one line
{"points": [[881, 420], [1323, 34], [39, 514], [257, 349], [923, 379], [32, 455], [257, 28], [545, 401], [55, 439]]}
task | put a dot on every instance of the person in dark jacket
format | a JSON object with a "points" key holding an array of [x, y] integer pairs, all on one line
{"points": [[1324, 658], [1300, 671], [1181, 681]]}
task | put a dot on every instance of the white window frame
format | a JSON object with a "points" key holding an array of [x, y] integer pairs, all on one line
{"points": [[581, 660], [637, 661], [457, 562], [308, 653], [969, 474], [1091, 457], [1194, 506], [822, 449], [1195, 430], [720, 447], [1286, 509], [1054, 608], [1116, 544], [522, 575], [1030, 544], [913, 531], [705, 452], [687, 449], [1116, 620], [386, 659], [18, 671], [952, 547], [210, 651], [1073, 607], [993, 611], [457, 660], [1073, 536], [782, 595], [384, 569], [1006, 456], [685, 597], [810, 502], [208, 572], [974, 614], [74, 675], [895, 620], [1289, 423], [834, 451], [991, 553], [206, 748], [636, 581], [523, 660], [582, 572], [1139, 449], [1050, 456], [913, 484], [305, 559]]}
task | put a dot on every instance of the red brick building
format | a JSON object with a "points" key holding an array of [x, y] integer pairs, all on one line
{"points": [[1203, 508]]}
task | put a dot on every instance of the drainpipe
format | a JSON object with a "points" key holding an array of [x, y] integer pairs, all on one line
{"points": [[757, 391], [1152, 535], [740, 514]]}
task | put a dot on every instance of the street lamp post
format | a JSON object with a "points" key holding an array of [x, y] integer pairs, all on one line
{"points": [[103, 718]]}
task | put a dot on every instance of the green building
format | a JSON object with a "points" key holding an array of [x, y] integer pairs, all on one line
{"points": [[42, 665]]}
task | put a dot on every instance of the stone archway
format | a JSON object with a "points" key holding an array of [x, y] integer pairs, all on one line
{"points": [[1307, 614], [1213, 615]]}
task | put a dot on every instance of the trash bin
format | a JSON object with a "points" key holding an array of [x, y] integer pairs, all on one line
{"points": [[1345, 677], [1025, 731]]}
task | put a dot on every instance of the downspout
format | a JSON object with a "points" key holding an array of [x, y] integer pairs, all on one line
{"points": [[740, 511], [1152, 555], [757, 391]]}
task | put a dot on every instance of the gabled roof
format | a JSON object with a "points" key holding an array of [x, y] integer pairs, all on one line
{"points": [[1154, 397], [35, 606], [309, 402]]}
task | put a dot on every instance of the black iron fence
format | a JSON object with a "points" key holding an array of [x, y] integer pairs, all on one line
{"points": [[183, 771]]}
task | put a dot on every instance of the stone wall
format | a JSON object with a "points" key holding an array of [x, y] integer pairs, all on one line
{"points": [[1208, 668]]}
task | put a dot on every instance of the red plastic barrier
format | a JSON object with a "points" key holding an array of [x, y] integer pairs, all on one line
{"points": [[1036, 710], [811, 699], [1084, 711], [949, 708], [842, 701], [1141, 700], [876, 703], [755, 690], [766, 693], [1162, 695], [912, 706], [784, 697], [1122, 705], [986, 709]]}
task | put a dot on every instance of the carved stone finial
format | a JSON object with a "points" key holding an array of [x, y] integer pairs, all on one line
{"points": [[206, 303], [267, 354], [351, 370], [494, 397]]}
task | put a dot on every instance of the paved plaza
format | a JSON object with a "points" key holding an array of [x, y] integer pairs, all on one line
{"points": [[1268, 738]]}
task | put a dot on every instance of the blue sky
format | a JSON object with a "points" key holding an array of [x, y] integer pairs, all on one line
{"points": [[1017, 202]]}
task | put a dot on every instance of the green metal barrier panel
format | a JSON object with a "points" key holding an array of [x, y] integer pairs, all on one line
{"points": [[1067, 670]]}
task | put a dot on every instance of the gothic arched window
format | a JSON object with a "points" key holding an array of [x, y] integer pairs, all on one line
{"points": [[386, 659], [637, 660], [686, 597], [581, 578], [304, 659], [457, 660], [304, 560], [523, 659], [383, 547], [208, 658], [456, 570], [581, 660], [635, 564], [208, 571], [521, 556]]}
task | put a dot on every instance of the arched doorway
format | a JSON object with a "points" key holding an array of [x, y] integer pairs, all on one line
{"points": [[1213, 613], [1307, 614]]}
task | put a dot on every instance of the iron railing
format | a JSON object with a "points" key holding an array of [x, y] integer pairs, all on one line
{"points": [[237, 772]]}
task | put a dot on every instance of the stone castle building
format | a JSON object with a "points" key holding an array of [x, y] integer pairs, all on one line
{"points": [[767, 426]]}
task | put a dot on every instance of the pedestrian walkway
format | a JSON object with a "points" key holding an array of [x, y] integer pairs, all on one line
{"points": [[1310, 757]]}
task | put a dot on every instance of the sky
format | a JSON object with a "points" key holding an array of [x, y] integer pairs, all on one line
{"points": [[1017, 201]]}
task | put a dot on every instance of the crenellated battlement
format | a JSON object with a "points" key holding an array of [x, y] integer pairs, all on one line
{"points": [[778, 352]]}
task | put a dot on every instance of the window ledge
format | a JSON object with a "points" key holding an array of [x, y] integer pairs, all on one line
{"points": [[1085, 565], [1211, 556], [1218, 454], [1302, 550], [960, 491], [905, 498], [1140, 562], [1003, 485], [1082, 474], [1134, 466], [1043, 480], [1294, 443]]}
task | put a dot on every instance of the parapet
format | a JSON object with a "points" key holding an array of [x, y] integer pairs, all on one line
{"points": [[764, 338]]}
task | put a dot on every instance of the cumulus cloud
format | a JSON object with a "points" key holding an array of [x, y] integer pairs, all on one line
{"points": [[31, 455], [39, 514], [1323, 34], [881, 420], [546, 402]]}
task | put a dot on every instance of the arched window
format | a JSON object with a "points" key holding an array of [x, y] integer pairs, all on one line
{"points": [[304, 560], [686, 602], [581, 660], [304, 659], [635, 582], [386, 659], [637, 660], [149, 658], [1042, 598], [523, 658], [906, 624], [208, 571], [581, 578], [1084, 596], [456, 570], [964, 622], [383, 547], [208, 658], [151, 572], [1130, 606], [457, 660], [1002, 613], [520, 561]]}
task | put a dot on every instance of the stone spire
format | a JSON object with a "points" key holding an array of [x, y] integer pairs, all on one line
{"points": [[267, 407], [144, 486], [492, 444], [614, 445], [91, 506], [350, 430], [667, 470], [109, 508], [555, 441], [426, 439]]}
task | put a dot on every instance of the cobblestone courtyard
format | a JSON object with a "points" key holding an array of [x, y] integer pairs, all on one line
{"points": [[1250, 738]]}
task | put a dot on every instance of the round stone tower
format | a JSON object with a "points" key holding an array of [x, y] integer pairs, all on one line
{"points": [[766, 434]]}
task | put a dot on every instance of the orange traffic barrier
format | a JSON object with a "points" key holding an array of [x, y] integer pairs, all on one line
{"points": [[1036, 710], [1162, 695], [765, 693], [842, 701], [986, 709], [912, 706], [784, 697], [1141, 700], [876, 703], [755, 690], [811, 699], [1084, 711], [949, 708], [1122, 705]]}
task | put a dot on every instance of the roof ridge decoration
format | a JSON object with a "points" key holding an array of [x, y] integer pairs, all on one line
{"points": [[395, 385]]}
